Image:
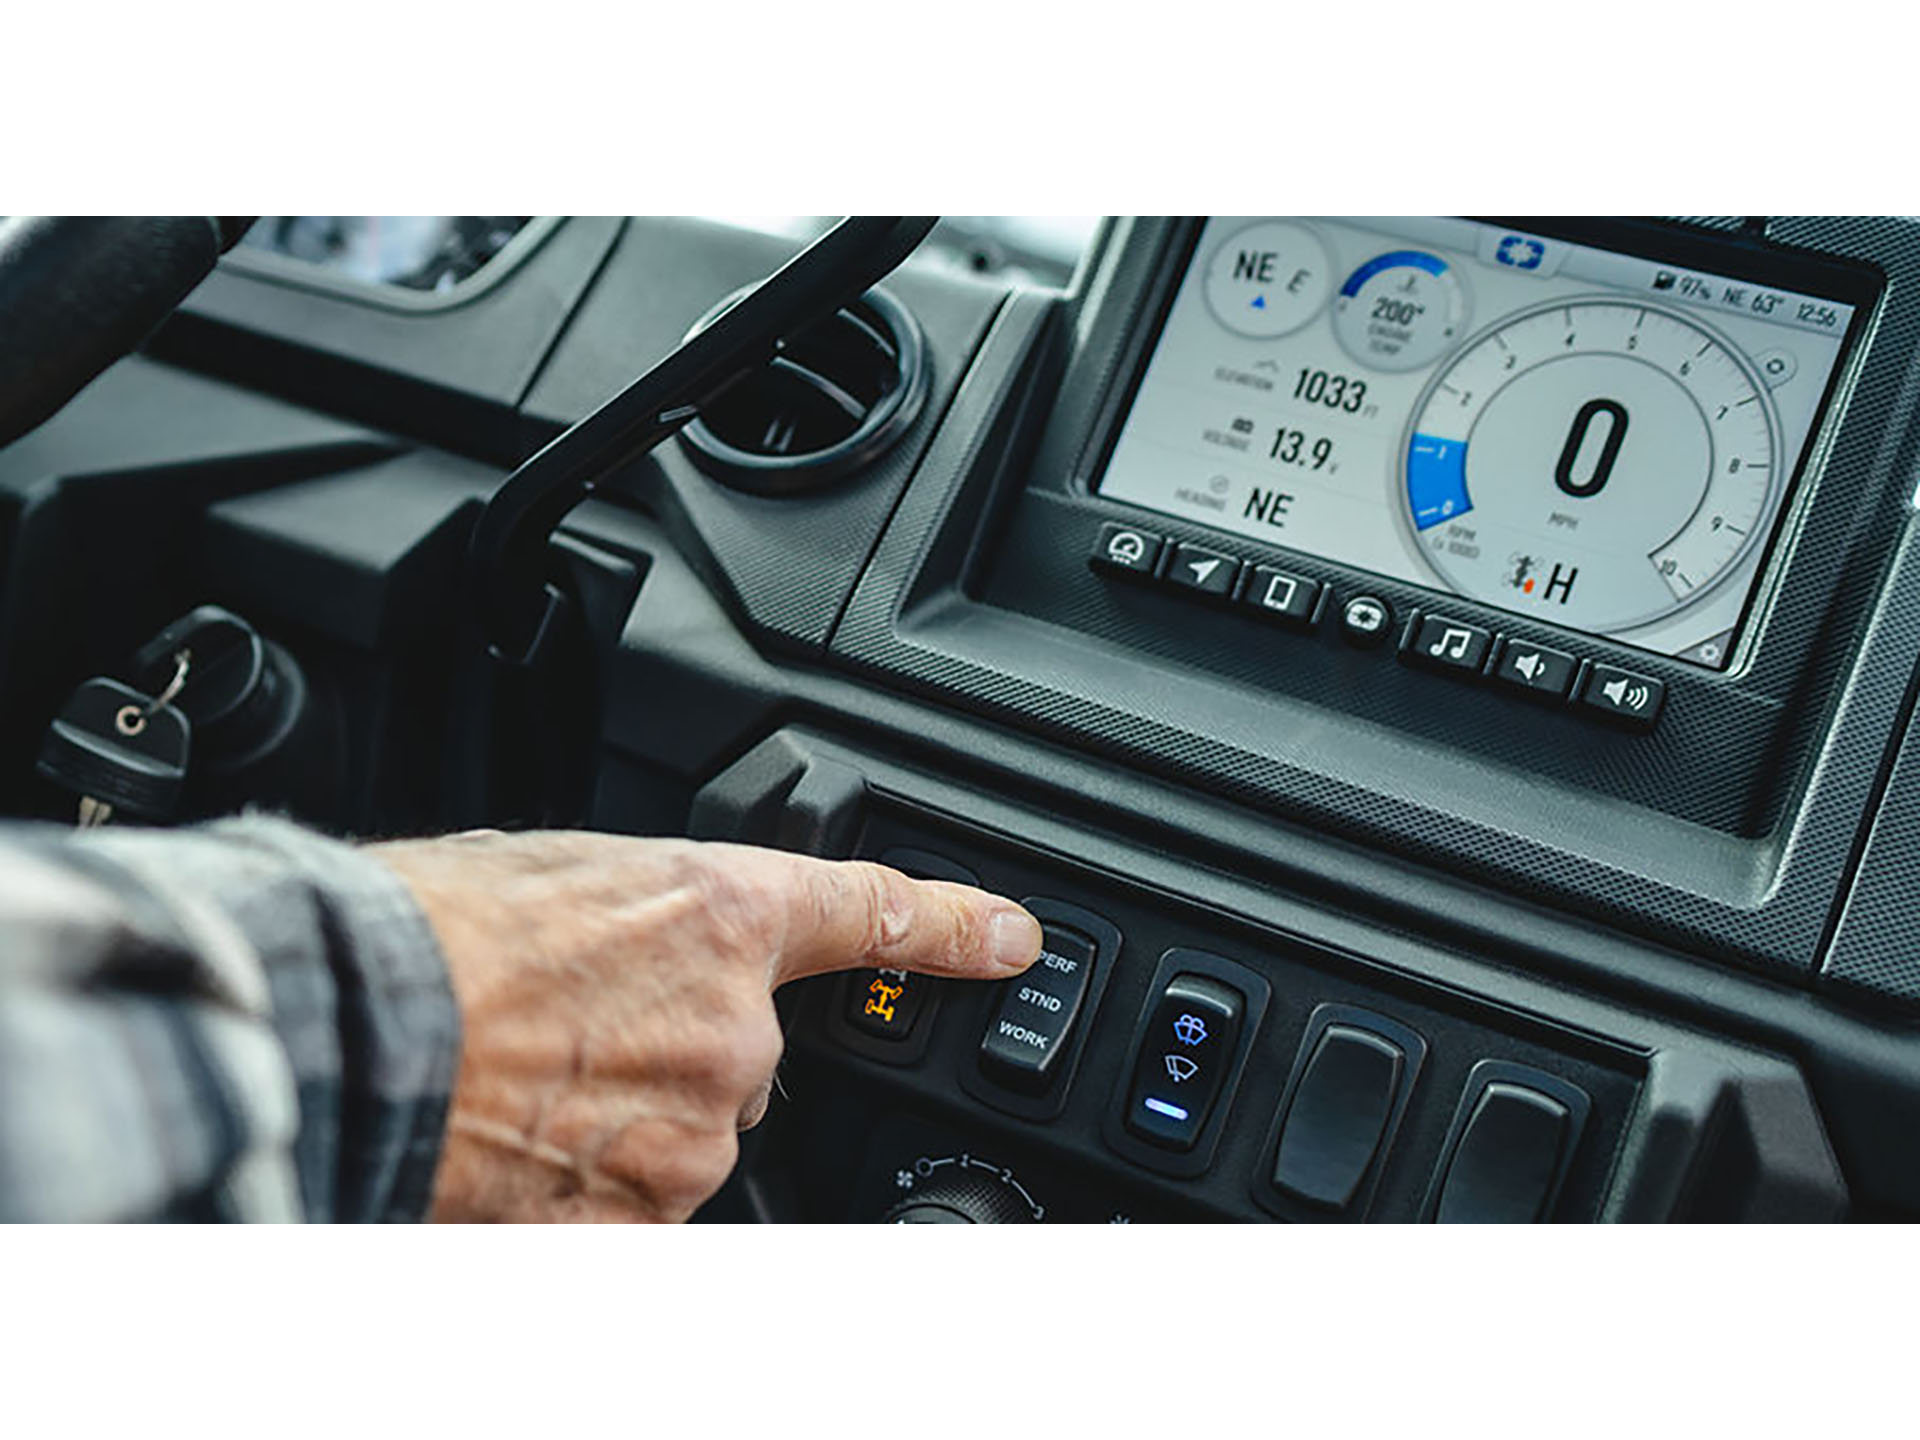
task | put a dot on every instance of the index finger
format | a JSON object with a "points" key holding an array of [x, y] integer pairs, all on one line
{"points": [[845, 914]]}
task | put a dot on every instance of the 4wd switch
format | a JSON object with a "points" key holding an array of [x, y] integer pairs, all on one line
{"points": [[886, 1003], [1030, 1029], [1184, 1057]]}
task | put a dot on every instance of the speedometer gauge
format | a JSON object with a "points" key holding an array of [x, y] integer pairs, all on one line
{"points": [[1607, 461]]}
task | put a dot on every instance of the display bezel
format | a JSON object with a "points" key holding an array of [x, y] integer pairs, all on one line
{"points": [[1734, 255], [1728, 829]]}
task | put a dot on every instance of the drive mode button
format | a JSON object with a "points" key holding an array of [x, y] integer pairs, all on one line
{"points": [[1124, 550], [1034, 1019]]}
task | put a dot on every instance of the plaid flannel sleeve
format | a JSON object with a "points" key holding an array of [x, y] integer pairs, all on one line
{"points": [[241, 1021]]}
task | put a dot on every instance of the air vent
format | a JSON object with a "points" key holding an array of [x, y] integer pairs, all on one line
{"points": [[835, 399]]}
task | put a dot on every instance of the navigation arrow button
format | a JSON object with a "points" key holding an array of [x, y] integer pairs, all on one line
{"points": [[1208, 571]]}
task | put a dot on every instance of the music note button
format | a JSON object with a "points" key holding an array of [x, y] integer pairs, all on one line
{"points": [[1447, 644]]}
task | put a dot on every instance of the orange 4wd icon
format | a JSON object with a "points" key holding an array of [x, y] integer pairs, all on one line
{"points": [[883, 997]]}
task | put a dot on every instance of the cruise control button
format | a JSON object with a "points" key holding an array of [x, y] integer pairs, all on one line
{"points": [[1207, 571], [1289, 599], [1035, 1018], [1183, 1060], [1125, 549], [1623, 696], [1446, 644], [1366, 620], [1535, 669]]}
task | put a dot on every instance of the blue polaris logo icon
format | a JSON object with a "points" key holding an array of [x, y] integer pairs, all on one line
{"points": [[1521, 253]]}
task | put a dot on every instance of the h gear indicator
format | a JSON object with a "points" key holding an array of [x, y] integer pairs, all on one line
{"points": [[1601, 462]]}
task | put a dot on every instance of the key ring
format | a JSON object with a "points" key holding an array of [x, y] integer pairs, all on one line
{"points": [[182, 662], [130, 720]]}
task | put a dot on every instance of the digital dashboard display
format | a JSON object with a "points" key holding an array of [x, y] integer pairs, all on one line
{"points": [[1595, 439]]}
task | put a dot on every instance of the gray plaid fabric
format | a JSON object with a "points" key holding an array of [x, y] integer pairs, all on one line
{"points": [[239, 1022]]}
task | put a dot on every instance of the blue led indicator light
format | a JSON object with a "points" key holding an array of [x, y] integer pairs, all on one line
{"points": [[1162, 1107]]}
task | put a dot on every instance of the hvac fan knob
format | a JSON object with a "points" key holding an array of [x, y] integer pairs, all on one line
{"points": [[961, 1190]]}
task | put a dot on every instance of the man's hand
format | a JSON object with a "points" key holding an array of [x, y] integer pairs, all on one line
{"points": [[617, 1001]]}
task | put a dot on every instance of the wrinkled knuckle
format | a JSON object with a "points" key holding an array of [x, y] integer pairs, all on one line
{"points": [[730, 1078], [737, 1053], [764, 1044], [886, 905], [971, 938], [718, 886], [735, 905], [686, 1180]]}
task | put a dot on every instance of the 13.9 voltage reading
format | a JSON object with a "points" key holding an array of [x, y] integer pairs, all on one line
{"points": [[1296, 447]]}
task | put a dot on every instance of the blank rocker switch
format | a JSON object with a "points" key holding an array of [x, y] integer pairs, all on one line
{"points": [[1508, 1160], [1338, 1117]]}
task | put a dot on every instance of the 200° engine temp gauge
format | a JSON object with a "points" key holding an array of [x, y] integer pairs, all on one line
{"points": [[1598, 462], [1400, 310]]}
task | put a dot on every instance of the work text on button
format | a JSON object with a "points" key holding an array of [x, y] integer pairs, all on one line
{"points": [[1024, 1035]]}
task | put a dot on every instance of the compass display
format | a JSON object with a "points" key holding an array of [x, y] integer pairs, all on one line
{"points": [[1591, 438]]}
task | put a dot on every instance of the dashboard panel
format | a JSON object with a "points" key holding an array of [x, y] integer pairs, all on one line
{"points": [[1581, 892]]}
